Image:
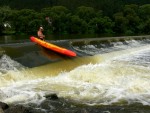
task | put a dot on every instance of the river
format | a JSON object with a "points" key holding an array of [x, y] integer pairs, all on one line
{"points": [[109, 75]]}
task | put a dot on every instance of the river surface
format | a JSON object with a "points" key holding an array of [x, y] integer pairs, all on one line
{"points": [[109, 75]]}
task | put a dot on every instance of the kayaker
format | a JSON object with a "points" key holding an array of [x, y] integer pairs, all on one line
{"points": [[40, 33]]}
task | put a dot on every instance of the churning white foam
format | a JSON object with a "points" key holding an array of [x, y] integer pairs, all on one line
{"points": [[115, 80]]}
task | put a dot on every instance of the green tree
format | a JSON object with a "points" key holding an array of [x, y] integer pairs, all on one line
{"points": [[77, 25], [101, 25], [85, 13], [130, 13], [46, 11], [147, 27], [23, 20], [144, 14], [120, 23], [59, 16], [144, 11], [5, 14]]}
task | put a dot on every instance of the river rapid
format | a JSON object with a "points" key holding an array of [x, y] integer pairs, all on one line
{"points": [[109, 75]]}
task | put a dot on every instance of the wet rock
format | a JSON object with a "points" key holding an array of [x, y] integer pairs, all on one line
{"points": [[49, 105], [59, 105], [23, 109], [52, 96], [1, 110], [37, 111], [3, 105], [17, 109]]}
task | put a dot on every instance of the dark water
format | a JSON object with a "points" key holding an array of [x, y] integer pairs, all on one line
{"points": [[25, 38], [109, 75]]}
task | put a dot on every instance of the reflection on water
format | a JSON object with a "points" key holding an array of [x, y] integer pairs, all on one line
{"points": [[7, 39], [25, 38]]}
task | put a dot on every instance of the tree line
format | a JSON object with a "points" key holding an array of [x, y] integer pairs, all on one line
{"points": [[130, 20], [71, 4]]}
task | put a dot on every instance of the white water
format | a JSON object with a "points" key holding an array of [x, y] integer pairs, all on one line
{"points": [[118, 77]]}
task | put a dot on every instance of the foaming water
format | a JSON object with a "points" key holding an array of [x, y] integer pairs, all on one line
{"points": [[12, 72], [104, 83], [9, 70], [119, 77], [100, 47]]}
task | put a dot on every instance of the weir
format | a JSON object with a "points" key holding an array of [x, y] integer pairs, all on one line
{"points": [[110, 75]]}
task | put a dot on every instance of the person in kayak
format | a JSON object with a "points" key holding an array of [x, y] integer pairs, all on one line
{"points": [[40, 33]]}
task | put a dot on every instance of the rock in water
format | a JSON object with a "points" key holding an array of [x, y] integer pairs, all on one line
{"points": [[3, 106], [1, 110]]}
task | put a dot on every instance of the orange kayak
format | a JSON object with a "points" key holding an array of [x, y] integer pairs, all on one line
{"points": [[53, 47]]}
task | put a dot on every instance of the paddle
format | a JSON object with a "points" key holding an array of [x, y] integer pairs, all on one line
{"points": [[49, 20]]}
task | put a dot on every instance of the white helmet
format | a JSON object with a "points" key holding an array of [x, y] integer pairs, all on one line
{"points": [[41, 27]]}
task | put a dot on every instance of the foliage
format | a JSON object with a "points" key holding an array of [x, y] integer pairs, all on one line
{"points": [[101, 25], [77, 25], [129, 20], [26, 20], [144, 11], [85, 13], [5, 14]]}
